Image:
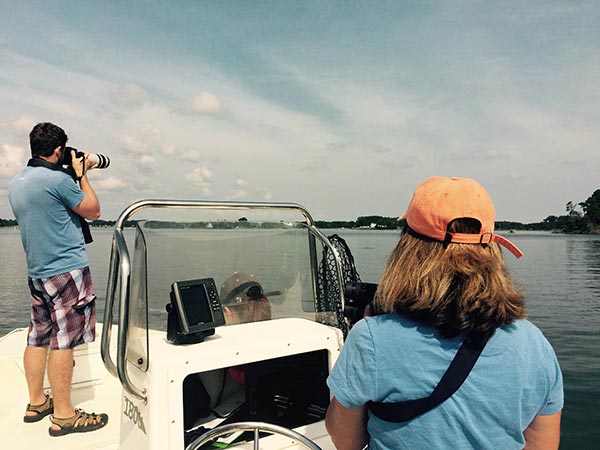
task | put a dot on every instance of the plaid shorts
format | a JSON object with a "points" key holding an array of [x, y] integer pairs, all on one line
{"points": [[63, 310]]}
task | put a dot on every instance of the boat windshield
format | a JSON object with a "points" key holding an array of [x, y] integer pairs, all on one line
{"points": [[279, 254]]}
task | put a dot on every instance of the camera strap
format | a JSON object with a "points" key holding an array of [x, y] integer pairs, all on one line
{"points": [[451, 381], [38, 162]]}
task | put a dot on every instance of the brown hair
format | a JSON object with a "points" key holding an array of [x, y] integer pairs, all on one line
{"points": [[250, 311], [454, 287]]}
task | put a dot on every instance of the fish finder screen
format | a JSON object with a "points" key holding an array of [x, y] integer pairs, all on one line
{"points": [[194, 311], [195, 304]]}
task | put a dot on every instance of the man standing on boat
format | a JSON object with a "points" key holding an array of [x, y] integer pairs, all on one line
{"points": [[48, 205]]}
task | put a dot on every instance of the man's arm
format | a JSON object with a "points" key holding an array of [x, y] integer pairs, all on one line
{"points": [[89, 207], [347, 426], [543, 433]]}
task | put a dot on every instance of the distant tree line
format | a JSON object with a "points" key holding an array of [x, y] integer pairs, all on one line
{"points": [[583, 217]]}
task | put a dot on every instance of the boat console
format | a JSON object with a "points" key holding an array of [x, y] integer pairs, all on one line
{"points": [[195, 365]]}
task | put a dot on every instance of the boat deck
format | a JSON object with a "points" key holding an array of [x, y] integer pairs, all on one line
{"points": [[95, 390], [100, 395]]}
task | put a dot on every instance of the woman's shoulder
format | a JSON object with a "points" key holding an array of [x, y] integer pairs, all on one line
{"points": [[389, 320], [521, 327], [396, 320], [525, 334], [395, 326]]}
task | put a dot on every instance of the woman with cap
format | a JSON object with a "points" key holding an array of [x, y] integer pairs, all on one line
{"points": [[449, 361], [243, 299]]}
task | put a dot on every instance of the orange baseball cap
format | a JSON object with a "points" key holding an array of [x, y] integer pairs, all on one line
{"points": [[438, 201]]}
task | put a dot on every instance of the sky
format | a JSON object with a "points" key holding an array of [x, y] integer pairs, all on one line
{"points": [[341, 107]]}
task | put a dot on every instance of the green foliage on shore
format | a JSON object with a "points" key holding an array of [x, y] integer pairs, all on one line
{"points": [[583, 217]]}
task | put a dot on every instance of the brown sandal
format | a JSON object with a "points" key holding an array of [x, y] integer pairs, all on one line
{"points": [[81, 422], [41, 410]]}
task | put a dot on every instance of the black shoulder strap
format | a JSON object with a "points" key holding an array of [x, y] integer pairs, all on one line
{"points": [[455, 375], [38, 162]]}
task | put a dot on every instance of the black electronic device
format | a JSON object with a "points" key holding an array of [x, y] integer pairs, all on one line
{"points": [[194, 312]]}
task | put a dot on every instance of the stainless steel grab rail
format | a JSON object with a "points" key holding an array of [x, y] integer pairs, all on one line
{"points": [[120, 275]]}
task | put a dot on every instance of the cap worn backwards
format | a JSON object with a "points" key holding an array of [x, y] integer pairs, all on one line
{"points": [[237, 289], [438, 201]]}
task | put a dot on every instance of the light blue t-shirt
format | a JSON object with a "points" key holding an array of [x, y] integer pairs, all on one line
{"points": [[42, 202], [391, 358]]}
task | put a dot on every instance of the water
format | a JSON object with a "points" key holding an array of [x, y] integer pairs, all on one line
{"points": [[560, 275]]}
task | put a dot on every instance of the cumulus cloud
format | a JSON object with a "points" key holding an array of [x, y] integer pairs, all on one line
{"points": [[266, 194], [11, 160], [206, 103], [151, 133], [129, 95], [110, 184], [191, 155], [147, 161], [22, 125], [131, 144], [201, 177], [246, 190], [239, 194], [167, 150]]}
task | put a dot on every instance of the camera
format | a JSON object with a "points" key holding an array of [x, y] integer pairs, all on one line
{"points": [[99, 161], [358, 296]]}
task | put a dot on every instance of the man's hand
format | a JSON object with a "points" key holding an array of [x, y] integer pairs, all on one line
{"points": [[81, 165], [78, 164]]}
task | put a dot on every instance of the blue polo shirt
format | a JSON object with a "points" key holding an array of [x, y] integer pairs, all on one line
{"points": [[391, 358], [42, 202]]}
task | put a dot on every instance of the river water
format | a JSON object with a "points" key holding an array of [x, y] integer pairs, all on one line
{"points": [[560, 275]]}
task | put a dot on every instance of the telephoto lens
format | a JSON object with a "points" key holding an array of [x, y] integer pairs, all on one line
{"points": [[99, 161]]}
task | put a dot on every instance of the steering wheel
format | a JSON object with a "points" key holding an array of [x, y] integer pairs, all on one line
{"points": [[257, 427]]}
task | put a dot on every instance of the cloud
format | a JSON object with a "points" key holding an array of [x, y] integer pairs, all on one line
{"points": [[266, 194], [22, 125], [405, 162], [168, 150], [239, 194], [381, 149], [476, 156], [11, 160], [132, 145], [201, 177], [246, 191], [151, 133], [129, 95], [206, 103], [147, 161], [110, 184], [191, 155]]}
